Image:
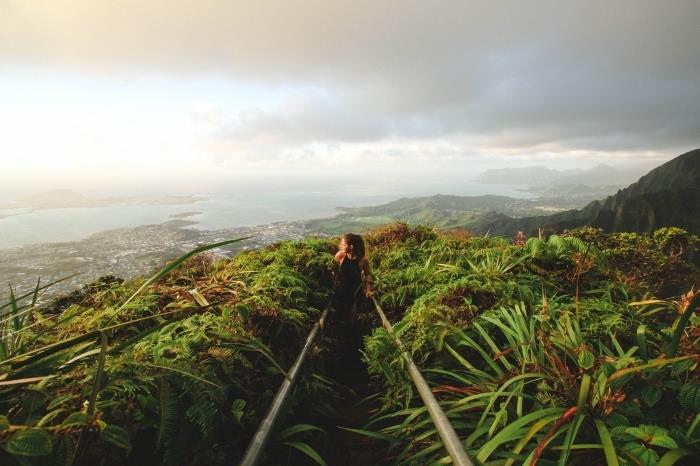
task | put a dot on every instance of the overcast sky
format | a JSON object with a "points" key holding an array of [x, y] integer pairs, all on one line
{"points": [[128, 91]]}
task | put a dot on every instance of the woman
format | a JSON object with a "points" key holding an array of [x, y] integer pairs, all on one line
{"points": [[354, 273]]}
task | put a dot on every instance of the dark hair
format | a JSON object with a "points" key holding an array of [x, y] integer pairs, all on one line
{"points": [[358, 245]]}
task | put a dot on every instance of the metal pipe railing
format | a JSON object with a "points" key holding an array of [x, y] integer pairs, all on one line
{"points": [[259, 440], [447, 433]]}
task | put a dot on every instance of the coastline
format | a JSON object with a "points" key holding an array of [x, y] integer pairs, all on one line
{"points": [[125, 253]]}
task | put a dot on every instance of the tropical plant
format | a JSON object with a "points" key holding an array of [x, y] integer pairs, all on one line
{"points": [[159, 369], [565, 350], [559, 380]]}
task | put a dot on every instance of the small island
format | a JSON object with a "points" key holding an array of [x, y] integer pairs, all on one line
{"points": [[186, 214], [66, 198]]}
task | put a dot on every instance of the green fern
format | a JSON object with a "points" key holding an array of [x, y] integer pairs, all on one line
{"points": [[203, 412], [689, 396], [63, 450], [169, 412]]}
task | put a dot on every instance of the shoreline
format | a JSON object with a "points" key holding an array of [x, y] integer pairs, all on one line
{"points": [[139, 250], [124, 252]]}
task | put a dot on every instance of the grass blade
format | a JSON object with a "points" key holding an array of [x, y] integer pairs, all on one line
{"points": [[308, 451], [608, 447], [674, 455]]}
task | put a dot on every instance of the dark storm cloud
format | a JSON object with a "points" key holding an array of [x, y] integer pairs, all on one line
{"points": [[587, 75]]}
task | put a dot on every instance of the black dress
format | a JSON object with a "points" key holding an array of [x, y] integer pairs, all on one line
{"points": [[348, 294], [349, 288]]}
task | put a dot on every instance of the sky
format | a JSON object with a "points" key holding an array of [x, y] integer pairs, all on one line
{"points": [[160, 93]]}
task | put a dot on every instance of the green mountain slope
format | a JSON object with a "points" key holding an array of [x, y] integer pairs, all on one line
{"points": [[669, 195], [443, 211]]}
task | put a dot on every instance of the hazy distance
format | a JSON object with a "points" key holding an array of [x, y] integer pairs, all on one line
{"points": [[193, 96]]}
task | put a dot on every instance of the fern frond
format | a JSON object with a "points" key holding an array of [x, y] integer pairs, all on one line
{"points": [[203, 413], [689, 396], [170, 412]]}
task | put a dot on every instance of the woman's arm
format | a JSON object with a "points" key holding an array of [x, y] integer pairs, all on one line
{"points": [[367, 276]]}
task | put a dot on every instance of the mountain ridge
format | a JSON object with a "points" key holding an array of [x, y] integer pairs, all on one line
{"points": [[668, 195]]}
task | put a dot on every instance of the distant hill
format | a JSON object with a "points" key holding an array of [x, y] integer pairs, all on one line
{"points": [[443, 211], [523, 176], [438, 202], [669, 195], [579, 186], [602, 175]]}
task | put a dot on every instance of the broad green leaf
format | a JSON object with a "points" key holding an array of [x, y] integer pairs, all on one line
{"points": [[238, 404], [645, 456], [78, 418], [50, 416], [639, 432], [664, 441], [679, 368], [651, 394], [237, 408], [116, 436], [615, 419], [29, 442], [243, 311], [586, 359]]}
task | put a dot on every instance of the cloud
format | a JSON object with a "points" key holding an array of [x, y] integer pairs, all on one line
{"points": [[528, 76]]}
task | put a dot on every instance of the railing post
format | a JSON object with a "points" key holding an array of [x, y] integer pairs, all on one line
{"points": [[447, 433]]}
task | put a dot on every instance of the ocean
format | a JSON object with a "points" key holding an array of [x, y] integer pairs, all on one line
{"points": [[225, 207]]}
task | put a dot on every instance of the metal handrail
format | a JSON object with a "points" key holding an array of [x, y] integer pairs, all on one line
{"points": [[257, 443], [447, 433]]}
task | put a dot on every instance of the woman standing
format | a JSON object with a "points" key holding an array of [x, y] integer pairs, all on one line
{"points": [[354, 276]]}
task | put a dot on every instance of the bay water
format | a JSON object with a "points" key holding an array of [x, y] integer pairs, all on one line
{"points": [[226, 207]]}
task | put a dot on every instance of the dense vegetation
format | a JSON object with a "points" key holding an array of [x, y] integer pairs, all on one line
{"points": [[554, 351], [579, 348], [180, 374]]}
